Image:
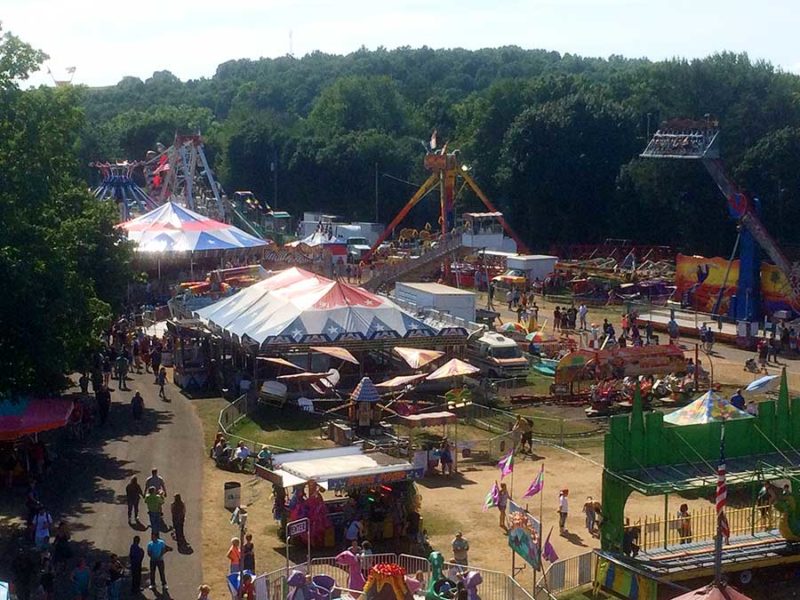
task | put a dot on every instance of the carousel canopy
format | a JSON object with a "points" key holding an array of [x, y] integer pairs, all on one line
{"points": [[295, 306], [400, 381], [416, 358], [365, 391], [453, 368], [24, 416], [708, 408], [173, 228]]}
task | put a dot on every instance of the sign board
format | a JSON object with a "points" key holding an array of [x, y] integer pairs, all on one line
{"points": [[298, 527], [357, 481], [587, 365]]}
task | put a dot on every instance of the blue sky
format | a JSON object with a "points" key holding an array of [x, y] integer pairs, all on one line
{"points": [[191, 38]]}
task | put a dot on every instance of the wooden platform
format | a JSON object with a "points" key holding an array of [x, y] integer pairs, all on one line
{"points": [[688, 561]]}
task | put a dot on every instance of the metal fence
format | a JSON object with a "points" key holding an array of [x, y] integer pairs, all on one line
{"points": [[233, 413], [565, 575], [495, 586], [701, 525]]}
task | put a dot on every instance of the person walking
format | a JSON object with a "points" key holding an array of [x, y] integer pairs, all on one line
{"points": [[154, 502], [155, 480], [133, 493], [684, 519], [161, 380], [115, 574], [460, 546], [122, 370], [178, 510], [61, 550], [103, 398], [563, 510], [203, 591], [156, 550], [589, 512], [81, 577], [582, 312], [249, 554], [42, 523], [155, 360], [137, 406], [135, 559], [490, 296]]}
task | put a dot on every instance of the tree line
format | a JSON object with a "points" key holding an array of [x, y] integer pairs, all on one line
{"points": [[553, 139]]}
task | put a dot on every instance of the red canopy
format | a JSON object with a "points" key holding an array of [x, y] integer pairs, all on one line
{"points": [[24, 416], [713, 592]]}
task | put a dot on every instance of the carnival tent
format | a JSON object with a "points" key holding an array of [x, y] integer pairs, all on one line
{"points": [[25, 416], [317, 238], [173, 228], [295, 306], [708, 408], [400, 381]]}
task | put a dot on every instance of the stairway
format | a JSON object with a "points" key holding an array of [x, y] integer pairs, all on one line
{"points": [[426, 262]]}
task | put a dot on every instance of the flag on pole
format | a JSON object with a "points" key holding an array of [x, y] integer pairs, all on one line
{"points": [[506, 464], [722, 492], [536, 486], [549, 553], [491, 498]]}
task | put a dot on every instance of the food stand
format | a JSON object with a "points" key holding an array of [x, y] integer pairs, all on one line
{"points": [[374, 487], [432, 419], [193, 353]]}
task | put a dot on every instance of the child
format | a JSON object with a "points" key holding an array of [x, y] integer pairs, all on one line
{"points": [[202, 592], [162, 380]]}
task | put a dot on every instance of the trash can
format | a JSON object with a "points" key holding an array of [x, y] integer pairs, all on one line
{"points": [[233, 494]]}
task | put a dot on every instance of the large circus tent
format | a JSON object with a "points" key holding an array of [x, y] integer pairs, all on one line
{"points": [[295, 307], [172, 228]]}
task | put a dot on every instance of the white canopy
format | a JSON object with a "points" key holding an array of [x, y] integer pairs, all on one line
{"points": [[296, 306]]}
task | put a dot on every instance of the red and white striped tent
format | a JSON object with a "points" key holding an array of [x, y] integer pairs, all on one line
{"points": [[296, 306]]}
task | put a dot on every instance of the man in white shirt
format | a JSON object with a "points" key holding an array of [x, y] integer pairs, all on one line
{"points": [[41, 524], [582, 312], [563, 510], [156, 481], [241, 454]]}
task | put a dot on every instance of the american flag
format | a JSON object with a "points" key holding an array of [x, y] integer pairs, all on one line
{"points": [[722, 493]]}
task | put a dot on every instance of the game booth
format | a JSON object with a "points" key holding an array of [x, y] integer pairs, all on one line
{"points": [[373, 487]]}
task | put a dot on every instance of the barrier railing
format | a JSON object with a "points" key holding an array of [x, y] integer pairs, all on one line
{"points": [[234, 412], [495, 586], [701, 525], [565, 575]]}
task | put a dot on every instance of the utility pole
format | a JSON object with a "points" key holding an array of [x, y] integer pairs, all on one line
{"points": [[274, 168], [376, 192]]}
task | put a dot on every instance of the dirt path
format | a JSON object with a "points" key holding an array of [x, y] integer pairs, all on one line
{"points": [[87, 483]]}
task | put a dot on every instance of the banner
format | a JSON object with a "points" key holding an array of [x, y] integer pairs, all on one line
{"points": [[617, 579], [524, 534], [632, 361], [699, 279]]}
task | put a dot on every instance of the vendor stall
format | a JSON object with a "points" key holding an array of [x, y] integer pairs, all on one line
{"points": [[429, 457], [192, 359], [375, 489]]}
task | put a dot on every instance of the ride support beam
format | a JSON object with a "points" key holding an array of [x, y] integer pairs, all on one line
{"points": [[426, 187]]}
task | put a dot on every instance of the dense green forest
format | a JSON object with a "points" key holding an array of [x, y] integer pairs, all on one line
{"points": [[552, 138]]}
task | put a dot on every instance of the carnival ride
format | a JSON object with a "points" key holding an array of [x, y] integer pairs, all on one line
{"points": [[445, 169], [645, 453], [181, 172], [118, 185], [686, 139]]}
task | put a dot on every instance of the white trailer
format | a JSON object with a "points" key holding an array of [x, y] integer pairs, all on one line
{"points": [[533, 265], [446, 299]]}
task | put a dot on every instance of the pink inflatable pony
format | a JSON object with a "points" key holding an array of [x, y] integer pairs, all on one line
{"points": [[348, 559]]}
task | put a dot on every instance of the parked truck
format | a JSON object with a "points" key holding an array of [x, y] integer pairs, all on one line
{"points": [[498, 356], [524, 269]]}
